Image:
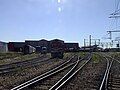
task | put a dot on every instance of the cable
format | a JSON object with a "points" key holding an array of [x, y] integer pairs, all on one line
{"points": [[117, 5], [117, 2]]}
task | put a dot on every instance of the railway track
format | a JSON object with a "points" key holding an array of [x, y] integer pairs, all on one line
{"points": [[72, 72], [14, 66], [114, 77], [6, 68], [111, 79], [87, 78], [25, 64], [49, 77], [12, 79]]}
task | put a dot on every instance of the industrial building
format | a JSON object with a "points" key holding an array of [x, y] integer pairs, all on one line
{"points": [[3, 47], [38, 44], [16, 46]]}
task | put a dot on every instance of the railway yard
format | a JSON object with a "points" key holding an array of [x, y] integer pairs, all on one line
{"points": [[59, 45], [76, 71]]}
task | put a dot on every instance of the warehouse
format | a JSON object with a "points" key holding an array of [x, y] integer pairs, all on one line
{"points": [[33, 43], [38, 44], [3, 47], [16, 46], [43, 43]]}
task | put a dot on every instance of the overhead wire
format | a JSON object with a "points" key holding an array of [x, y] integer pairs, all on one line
{"points": [[115, 21], [117, 5]]}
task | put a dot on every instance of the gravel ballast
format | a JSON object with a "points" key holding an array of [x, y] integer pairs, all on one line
{"points": [[89, 78]]}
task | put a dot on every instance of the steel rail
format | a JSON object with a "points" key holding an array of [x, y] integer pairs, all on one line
{"points": [[107, 77], [13, 68], [41, 78], [101, 85], [68, 76], [21, 63], [58, 83], [26, 64], [104, 83], [44, 75], [114, 59]]}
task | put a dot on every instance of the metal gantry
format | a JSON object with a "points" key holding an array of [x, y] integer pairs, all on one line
{"points": [[110, 33]]}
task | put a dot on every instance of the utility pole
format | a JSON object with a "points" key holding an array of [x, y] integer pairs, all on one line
{"points": [[99, 41], [95, 42], [90, 40], [84, 42], [90, 43]]}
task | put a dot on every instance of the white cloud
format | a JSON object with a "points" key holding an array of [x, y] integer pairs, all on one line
{"points": [[59, 1], [59, 9]]}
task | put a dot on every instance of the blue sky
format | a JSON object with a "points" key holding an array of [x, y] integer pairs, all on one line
{"points": [[69, 20]]}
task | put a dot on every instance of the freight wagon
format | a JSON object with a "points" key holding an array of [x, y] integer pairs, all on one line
{"points": [[57, 48], [111, 50], [38, 49], [42, 50], [93, 48], [71, 47], [29, 49]]}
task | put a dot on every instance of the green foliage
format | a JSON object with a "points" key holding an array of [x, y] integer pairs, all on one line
{"points": [[82, 54], [9, 55], [96, 58], [66, 55], [7, 58]]}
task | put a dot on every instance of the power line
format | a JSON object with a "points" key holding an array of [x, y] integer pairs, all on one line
{"points": [[117, 5]]}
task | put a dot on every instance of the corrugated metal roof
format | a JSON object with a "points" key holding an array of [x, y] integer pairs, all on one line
{"points": [[2, 42]]}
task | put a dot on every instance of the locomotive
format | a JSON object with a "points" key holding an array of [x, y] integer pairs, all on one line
{"points": [[57, 48], [43, 50], [29, 49]]}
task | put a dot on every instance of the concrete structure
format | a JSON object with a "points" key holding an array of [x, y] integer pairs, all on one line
{"points": [[3, 47]]}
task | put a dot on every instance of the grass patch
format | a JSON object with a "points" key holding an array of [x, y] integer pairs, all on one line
{"points": [[96, 58], [82, 54], [15, 57], [9, 55]]}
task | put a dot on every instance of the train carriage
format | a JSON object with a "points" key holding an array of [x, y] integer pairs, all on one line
{"points": [[29, 49], [71, 47]]}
